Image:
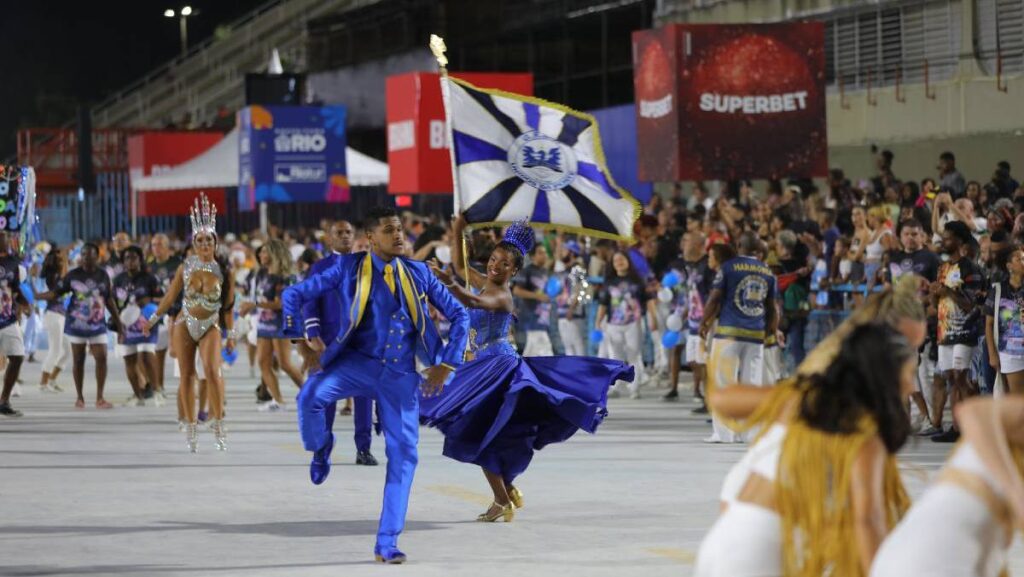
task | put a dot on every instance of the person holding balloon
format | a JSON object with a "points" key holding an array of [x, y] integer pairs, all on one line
{"points": [[690, 292], [622, 304], [134, 289], [500, 407]]}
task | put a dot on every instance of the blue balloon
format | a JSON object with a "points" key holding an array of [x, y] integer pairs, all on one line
{"points": [[596, 336], [148, 310], [26, 289], [553, 288], [670, 279], [670, 339], [229, 356]]}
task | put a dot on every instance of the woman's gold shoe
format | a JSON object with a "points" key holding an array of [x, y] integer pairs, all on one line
{"points": [[516, 496], [496, 511]]}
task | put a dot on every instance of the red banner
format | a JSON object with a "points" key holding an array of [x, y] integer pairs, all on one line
{"points": [[731, 101], [417, 140], [151, 153], [177, 202]]}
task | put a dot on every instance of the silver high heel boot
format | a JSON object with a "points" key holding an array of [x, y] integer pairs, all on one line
{"points": [[192, 436], [220, 434]]}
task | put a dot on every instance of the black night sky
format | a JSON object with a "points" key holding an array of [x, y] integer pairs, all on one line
{"points": [[60, 54]]}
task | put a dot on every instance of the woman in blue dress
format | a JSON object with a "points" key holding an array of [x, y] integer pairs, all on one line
{"points": [[499, 408]]}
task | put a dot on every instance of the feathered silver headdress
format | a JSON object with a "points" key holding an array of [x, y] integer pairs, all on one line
{"points": [[204, 216]]}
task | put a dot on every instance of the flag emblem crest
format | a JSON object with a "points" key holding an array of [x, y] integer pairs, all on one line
{"points": [[542, 161]]}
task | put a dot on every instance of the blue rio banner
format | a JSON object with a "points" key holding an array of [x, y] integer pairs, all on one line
{"points": [[291, 154]]}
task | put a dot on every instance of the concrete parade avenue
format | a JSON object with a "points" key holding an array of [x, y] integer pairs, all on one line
{"points": [[90, 492]]}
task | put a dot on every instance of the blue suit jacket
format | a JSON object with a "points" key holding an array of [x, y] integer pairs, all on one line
{"points": [[348, 281], [322, 315]]}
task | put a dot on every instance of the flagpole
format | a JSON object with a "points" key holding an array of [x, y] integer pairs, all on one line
{"points": [[437, 46]]}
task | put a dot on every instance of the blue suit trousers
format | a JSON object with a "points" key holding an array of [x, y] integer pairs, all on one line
{"points": [[396, 392], [362, 416]]}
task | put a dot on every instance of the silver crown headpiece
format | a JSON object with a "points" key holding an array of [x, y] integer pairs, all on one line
{"points": [[204, 216]]}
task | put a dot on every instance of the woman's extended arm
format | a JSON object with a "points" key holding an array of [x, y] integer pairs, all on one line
{"points": [[476, 279], [498, 302]]}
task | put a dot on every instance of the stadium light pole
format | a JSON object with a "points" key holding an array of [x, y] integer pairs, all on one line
{"points": [[183, 16]]}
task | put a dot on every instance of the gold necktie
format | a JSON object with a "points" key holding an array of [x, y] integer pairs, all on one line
{"points": [[389, 278]]}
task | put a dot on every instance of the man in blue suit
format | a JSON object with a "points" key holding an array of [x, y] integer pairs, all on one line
{"points": [[322, 317], [384, 326]]}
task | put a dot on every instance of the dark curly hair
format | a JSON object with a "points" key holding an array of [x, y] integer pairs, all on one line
{"points": [[863, 380], [133, 249]]}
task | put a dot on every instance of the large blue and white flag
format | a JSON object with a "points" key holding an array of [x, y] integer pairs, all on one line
{"points": [[519, 157]]}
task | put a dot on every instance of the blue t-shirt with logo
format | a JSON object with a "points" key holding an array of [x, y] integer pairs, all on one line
{"points": [[86, 316], [131, 292], [690, 295], [56, 304], [747, 285], [268, 287], [164, 273], [1009, 314], [625, 299]]}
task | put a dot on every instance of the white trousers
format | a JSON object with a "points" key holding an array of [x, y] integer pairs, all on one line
{"points": [[623, 343], [734, 362], [572, 336], [773, 364], [925, 379], [58, 347], [745, 541], [660, 353], [538, 344]]}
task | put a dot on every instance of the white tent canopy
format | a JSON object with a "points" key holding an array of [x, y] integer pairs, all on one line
{"points": [[218, 167]]}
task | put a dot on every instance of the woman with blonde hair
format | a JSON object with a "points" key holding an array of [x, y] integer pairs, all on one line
{"points": [[879, 243], [822, 492], [274, 275], [900, 310]]}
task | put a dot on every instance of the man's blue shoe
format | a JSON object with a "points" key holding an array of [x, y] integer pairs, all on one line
{"points": [[321, 465], [389, 555]]}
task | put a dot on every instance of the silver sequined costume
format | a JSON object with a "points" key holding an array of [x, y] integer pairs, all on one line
{"points": [[206, 301]]}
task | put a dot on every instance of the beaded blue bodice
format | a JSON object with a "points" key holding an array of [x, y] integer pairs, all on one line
{"points": [[489, 333]]}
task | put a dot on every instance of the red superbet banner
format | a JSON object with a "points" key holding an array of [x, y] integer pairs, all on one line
{"points": [[716, 101], [418, 152]]}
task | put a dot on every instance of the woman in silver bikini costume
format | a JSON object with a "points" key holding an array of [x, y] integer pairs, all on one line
{"points": [[198, 325]]}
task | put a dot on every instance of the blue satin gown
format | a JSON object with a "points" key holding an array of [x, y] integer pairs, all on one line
{"points": [[500, 407]]}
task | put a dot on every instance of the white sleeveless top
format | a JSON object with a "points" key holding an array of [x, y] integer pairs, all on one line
{"points": [[966, 458], [873, 251], [762, 458]]}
